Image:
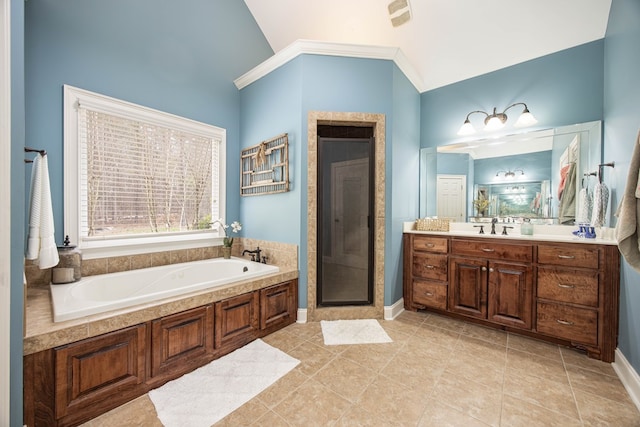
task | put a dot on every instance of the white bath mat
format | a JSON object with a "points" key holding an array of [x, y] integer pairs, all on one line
{"points": [[208, 394], [362, 331]]}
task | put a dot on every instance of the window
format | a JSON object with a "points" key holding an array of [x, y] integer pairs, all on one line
{"points": [[141, 177]]}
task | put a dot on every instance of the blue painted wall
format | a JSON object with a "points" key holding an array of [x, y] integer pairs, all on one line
{"points": [[621, 126], [281, 101], [100, 46], [17, 234], [560, 89]]}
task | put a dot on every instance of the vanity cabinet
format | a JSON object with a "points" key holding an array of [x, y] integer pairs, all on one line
{"points": [[565, 293], [492, 281], [72, 383], [429, 272], [576, 296]]}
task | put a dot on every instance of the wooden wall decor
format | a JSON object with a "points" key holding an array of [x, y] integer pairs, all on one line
{"points": [[264, 167]]}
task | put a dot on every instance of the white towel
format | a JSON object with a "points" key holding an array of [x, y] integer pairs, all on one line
{"points": [[41, 243], [629, 214], [585, 206], [600, 202]]}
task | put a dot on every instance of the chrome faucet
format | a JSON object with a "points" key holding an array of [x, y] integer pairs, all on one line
{"points": [[255, 255]]}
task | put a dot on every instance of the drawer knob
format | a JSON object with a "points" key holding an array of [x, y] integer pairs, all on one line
{"points": [[566, 256], [488, 250], [560, 285], [564, 322]]}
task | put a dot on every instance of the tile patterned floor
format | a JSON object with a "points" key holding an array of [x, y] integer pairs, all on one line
{"points": [[437, 372]]}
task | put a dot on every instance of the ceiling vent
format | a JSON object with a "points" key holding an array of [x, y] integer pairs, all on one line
{"points": [[399, 12]]}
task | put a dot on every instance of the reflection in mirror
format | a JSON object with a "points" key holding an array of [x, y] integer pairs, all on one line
{"points": [[549, 167]]}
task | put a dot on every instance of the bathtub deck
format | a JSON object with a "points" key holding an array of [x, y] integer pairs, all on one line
{"points": [[41, 333]]}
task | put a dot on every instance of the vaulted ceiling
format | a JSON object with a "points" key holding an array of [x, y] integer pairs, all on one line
{"points": [[445, 41]]}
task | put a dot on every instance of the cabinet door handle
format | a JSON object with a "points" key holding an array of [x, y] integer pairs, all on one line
{"points": [[564, 322], [488, 250], [560, 285], [490, 270], [484, 268], [566, 256]]}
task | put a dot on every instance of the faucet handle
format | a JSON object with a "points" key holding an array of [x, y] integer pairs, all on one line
{"points": [[504, 230], [481, 228], [264, 259]]}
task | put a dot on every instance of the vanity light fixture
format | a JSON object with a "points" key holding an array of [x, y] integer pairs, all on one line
{"points": [[495, 120], [510, 174]]}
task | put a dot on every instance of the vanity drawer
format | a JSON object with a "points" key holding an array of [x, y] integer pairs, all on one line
{"points": [[567, 285], [430, 266], [430, 294], [571, 323], [431, 244], [500, 250], [572, 256]]}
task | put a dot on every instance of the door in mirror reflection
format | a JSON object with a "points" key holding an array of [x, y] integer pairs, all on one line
{"points": [[344, 221]]}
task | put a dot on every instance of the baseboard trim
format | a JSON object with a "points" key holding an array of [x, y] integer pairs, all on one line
{"points": [[629, 377], [394, 310], [302, 315]]}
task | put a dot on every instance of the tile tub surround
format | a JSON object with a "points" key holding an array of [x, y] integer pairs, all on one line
{"points": [[375, 311], [437, 371], [42, 333], [284, 255]]}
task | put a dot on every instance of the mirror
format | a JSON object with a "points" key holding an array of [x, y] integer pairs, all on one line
{"points": [[536, 174]]}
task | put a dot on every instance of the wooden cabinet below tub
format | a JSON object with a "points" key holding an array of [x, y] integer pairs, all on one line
{"points": [[70, 384], [565, 293]]}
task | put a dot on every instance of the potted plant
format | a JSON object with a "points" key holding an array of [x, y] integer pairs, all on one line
{"points": [[227, 242]]}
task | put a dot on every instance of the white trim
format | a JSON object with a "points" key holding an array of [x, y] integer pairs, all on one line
{"points": [[629, 377], [5, 210], [301, 47], [394, 310], [302, 315]]}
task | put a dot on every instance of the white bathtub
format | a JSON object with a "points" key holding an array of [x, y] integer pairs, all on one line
{"points": [[97, 294]]}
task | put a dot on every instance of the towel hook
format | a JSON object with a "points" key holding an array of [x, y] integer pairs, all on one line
{"points": [[33, 150], [602, 165]]}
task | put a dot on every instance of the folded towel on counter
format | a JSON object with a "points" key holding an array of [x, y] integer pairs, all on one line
{"points": [[600, 202], [41, 243], [628, 213]]}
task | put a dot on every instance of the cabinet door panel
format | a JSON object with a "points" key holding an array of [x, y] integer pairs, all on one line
{"points": [[180, 338], [510, 294], [237, 321], [277, 306], [100, 373], [468, 287]]}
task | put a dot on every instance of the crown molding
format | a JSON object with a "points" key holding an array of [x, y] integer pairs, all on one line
{"points": [[300, 47]]}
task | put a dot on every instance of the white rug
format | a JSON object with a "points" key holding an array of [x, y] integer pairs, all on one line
{"points": [[362, 331], [208, 394]]}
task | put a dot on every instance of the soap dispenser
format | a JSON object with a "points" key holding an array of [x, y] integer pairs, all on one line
{"points": [[526, 229]]}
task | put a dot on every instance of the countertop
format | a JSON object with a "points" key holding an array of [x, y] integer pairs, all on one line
{"points": [[544, 233], [42, 333]]}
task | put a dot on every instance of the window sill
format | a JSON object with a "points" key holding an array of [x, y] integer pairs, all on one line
{"points": [[136, 246]]}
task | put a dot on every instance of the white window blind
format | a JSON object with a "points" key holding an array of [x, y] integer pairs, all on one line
{"points": [[141, 173], [144, 178]]}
